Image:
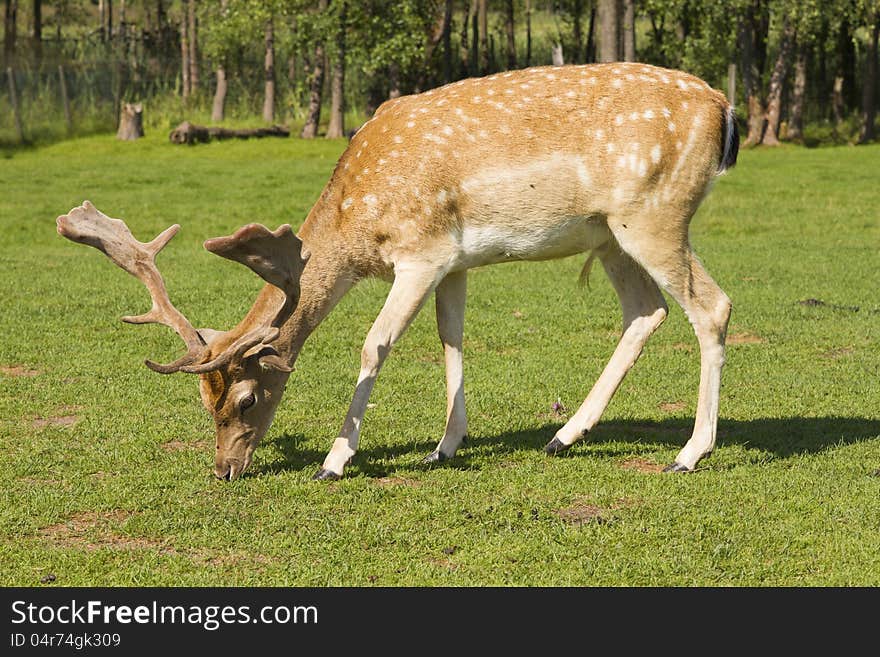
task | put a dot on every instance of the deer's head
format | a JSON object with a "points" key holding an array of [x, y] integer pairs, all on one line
{"points": [[242, 371]]}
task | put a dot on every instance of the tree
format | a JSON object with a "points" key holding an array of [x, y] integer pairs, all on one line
{"points": [[752, 41], [316, 87], [867, 130], [192, 33], [483, 13], [510, 30], [777, 79], [336, 128], [628, 30], [609, 27], [10, 29], [184, 52], [269, 72], [37, 16]]}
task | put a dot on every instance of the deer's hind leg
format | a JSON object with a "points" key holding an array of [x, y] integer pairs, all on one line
{"points": [[664, 251], [450, 302], [644, 309]]}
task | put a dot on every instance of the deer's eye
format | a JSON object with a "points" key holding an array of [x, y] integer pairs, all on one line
{"points": [[247, 401]]}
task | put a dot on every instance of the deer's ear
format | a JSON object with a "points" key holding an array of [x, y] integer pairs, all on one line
{"points": [[208, 334], [268, 358]]}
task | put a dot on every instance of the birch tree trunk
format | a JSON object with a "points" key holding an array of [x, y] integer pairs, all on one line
{"points": [[316, 88], [777, 80], [798, 93], [269, 70], [336, 128]]}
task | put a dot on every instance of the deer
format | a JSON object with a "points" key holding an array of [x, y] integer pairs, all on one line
{"points": [[608, 160]]}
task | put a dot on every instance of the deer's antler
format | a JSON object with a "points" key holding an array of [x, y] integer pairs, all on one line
{"points": [[88, 225]]}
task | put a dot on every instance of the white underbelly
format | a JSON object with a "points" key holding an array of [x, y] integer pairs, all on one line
{"points": [[503, 242]]}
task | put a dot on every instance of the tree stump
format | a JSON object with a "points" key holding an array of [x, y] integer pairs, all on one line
{"points": [[131, 122]]}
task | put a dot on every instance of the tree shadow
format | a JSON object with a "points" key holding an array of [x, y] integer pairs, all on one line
{"points": [[782, 437]]}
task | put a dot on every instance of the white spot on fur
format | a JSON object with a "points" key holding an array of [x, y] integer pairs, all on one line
{"points": [[634, 116], [618, 120], [346, 204], [398, 139], [671, 126], [643, 168], [370, 199], [570, 94], [648, 114], [616, 83], [681, 84], [611, 147], [441, 197], [655, 153], [447, 130], [600, 134], [666, 112], [410, 124]]}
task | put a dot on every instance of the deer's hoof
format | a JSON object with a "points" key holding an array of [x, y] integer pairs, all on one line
{"points": [[675, 466], [325, 474], [555, 447], [435, 457]]}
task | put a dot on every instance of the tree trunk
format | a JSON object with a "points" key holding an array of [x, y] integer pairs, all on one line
{"points": [[748, 38], [10, 30], [510, 28], [336, 128], [218, 109], [192, 29], [528, 33], [131, 122], [798, 93], [393, 80], [628, 29], [38, 29], [447, 43], [484, 36], [869, 89], [316, 88], [102, 19], [184, 53], [556, 55], [464, 55], [474, 61], [109, 20], [269, 71], [435, 37], [590, 53], [577, 34], [608, 30], [777, 80]]}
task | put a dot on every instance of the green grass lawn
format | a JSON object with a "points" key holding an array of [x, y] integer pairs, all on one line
{"points": [[107, 466]]}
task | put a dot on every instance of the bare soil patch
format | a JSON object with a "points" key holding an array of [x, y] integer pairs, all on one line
{"points": [[672, 406], [641, 465], [182, 445], [93, 531], [17, 370], [745, 338], [582, 513], [390, 482], [54, 421], [840, 352]]}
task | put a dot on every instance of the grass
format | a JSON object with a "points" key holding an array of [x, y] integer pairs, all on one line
{"points": [[107, 465]]}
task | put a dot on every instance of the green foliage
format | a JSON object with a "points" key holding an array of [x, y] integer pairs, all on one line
{"points": [[119, 492]]}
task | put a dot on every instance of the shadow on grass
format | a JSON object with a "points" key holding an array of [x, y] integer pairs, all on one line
{"points": [[782, 437]]}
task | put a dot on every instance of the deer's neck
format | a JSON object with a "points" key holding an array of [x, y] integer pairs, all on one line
{"points": [[325, 280]]}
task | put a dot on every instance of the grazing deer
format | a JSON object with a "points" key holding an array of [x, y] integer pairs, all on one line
{"points": [[526, 165]]}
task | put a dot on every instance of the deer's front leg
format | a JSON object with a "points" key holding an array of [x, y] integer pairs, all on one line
{"points": [[412, 286], [450, 297]]}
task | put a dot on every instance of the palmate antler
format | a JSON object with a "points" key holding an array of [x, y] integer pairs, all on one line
{"points": [[88, 225]]}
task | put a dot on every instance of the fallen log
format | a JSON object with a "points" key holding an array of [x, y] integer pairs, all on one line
{"points": [[189, 133]]}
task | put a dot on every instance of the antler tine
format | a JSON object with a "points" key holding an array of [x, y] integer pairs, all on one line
{"points": [[88, 225]]}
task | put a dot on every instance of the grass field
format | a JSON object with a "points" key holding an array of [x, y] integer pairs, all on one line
{"points": [[107, 465]]}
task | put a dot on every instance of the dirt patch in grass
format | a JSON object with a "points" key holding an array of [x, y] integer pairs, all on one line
{"points": [[182, 445], [93, 531], [445, 563], [391, 482], [581, 513], [683, 346], [17, 370], [641, 465], [745, 337], [840, 352], [54, 421], [672, 406]]}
